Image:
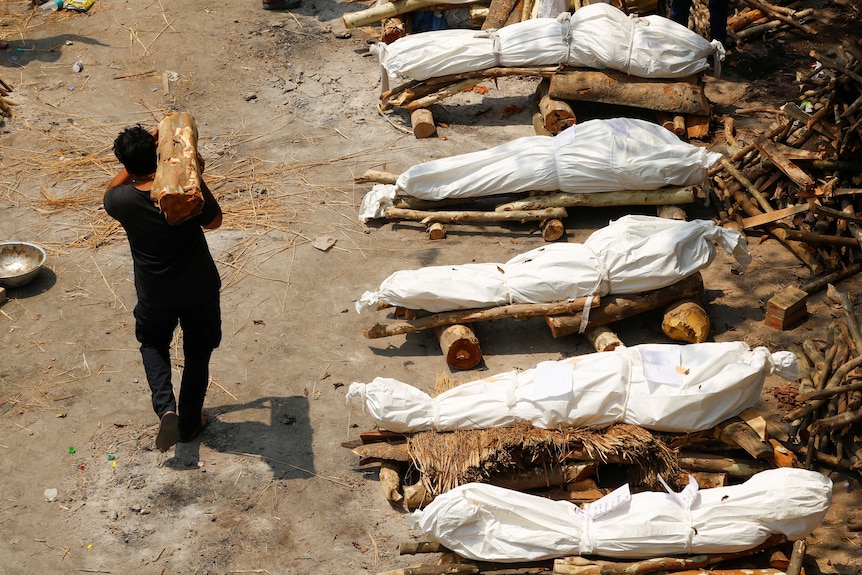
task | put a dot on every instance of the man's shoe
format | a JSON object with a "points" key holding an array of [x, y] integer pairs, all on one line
{"points": [[281, 4], [167, 435], [198, 430]]}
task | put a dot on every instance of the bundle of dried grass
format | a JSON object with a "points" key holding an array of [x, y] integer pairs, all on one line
{"points": [[447, 460]]}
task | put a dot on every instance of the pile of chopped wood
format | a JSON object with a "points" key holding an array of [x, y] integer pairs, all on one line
{"points": [[799, 181], [829, 411]]}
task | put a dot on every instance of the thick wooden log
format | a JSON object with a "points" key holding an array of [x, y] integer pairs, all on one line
{"points": [[671, 213], [672, 123], [422, 121], [416, 496], [383, 11], [393, 29], [707, 462], [662, 196], [686, 321], [176, 187], [377, 177], [417, 547], [390, 481], [540, 477], [736, 431], [556, 113], [611, 87], [474, 216], [615, 308], [520, 311], [448, 569], [552, 229], [586, 566], [382, 451], [603, 338], [459, 345], [697, 126], [436, 231], [498, 13]]}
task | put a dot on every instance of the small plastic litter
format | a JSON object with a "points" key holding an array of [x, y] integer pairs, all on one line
{"points": [[78, 66], [79, 5], [71, 449], [111, 457], [50, 494]]}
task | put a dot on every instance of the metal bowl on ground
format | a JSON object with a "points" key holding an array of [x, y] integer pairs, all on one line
{"points": [[20, 262]]}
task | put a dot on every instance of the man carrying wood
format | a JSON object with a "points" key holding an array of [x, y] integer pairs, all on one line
{"points": [[176, 281]]}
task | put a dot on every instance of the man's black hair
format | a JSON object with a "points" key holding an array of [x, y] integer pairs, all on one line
{"points": [[136, 149]]}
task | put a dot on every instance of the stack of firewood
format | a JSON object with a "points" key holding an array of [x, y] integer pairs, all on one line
{"points": [[826, 420], [799, 180], [762, 17]]}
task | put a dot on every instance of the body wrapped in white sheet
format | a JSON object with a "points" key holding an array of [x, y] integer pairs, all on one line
{"points": [[630, 255], [662, 387], [488, 523], [595, 156], [595, 36]]}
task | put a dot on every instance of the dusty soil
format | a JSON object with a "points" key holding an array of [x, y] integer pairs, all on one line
{"points": [[287, 117]]}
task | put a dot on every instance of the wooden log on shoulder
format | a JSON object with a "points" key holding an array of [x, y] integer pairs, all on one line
{"points": [[661, 196], [176, 187], [459, 345], [615, 308], [611, 87], [520, 311]]}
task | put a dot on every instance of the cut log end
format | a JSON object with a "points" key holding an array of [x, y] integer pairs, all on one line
{"points": [[460, 346], [686, 321], [436, 231], [552, 229], [422, 121]]}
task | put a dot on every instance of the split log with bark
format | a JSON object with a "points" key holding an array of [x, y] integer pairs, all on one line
{"points": [[176, 188]]}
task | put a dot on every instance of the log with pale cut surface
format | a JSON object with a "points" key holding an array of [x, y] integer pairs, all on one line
{"points": [[177, 185]]}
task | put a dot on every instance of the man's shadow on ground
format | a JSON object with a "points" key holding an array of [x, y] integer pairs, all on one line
{"points": [[283, 443]]}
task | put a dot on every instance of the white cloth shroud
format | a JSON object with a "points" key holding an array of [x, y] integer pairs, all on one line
{"points": [[630, 255], [594, 156], [595, 36], [487, 523], [661, 387]]}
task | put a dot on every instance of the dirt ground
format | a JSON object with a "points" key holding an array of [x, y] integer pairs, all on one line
{"points": [[285, 105]]}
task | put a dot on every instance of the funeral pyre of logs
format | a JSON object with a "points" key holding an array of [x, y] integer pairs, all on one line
{"points": [[581, 466]]}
